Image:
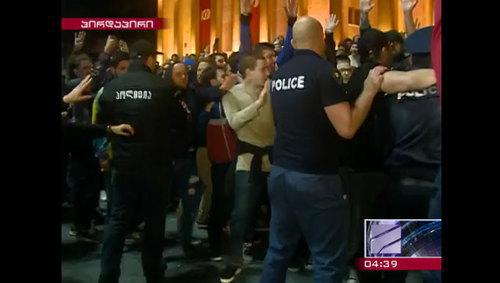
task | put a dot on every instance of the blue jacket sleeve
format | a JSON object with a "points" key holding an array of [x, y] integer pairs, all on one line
{"points": [[211, 93], [245, 38], [287, 51]]}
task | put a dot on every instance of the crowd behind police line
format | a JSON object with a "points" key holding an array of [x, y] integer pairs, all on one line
{"points": [[222, 153]]}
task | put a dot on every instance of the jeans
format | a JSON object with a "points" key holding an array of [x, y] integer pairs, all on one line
{"points": [[435, 202], [190, 189], [136, 193], [408, 198], [83, 182], [218, 211], [204, 172], [247, 197], [315, 206], [434, 213]]}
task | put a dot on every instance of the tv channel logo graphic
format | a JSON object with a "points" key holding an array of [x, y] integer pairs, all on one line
{"points": [[402, 238]]}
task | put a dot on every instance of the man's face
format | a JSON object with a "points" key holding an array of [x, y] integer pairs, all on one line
{"points": [[259, 74], [180, 76], [201, 67], [221, 75], [220, 61], [121, 68], [396, 49], [354, 49], [386, 57], [270, 57], [348, 44], [174, 58], [83, 68], [345, 69]]}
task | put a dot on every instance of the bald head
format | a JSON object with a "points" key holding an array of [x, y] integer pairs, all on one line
{"points": [[308, 34]]}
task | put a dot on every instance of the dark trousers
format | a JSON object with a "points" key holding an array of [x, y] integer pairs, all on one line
{"points": [[408, 198], [83, 182], [130, 191], [218, 210], [367, 194], [435, 202], [434, 213], [186, 182], [247, 197], [315, 206]]}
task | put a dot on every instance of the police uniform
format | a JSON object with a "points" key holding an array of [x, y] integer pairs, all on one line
{"points": [[413, 153], [305, 190], [141, 163]]}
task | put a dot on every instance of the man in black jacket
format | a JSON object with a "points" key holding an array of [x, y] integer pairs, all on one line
{"points": [[141, 164]]}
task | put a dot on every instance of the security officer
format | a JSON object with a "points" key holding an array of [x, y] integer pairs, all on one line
{"points": [[412, 122], [312, 115], [141, 164]]}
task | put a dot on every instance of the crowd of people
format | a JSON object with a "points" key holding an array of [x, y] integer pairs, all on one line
{"points": [[301, 137]]}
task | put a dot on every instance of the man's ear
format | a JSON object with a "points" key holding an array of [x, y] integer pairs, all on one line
{"points": [[294, 44]]}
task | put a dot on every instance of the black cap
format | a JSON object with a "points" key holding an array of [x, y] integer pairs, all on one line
{"points": [[419, 42], [142, 49], [394, 36], [371, 40]]}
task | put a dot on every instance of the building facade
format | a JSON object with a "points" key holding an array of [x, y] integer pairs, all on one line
{"points": [[193, 24]]}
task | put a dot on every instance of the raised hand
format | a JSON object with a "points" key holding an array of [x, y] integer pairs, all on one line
{"points": [[331, 23], [365, 6], [111, 44], [408, 5], [291, 8], [79, 40]]}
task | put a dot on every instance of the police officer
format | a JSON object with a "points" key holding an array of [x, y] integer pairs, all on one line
{"points": [[141, 163], [412, 121], [312, 115]]}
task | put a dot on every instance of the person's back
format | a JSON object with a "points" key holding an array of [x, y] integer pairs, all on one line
{"points": [[413, 138], [364, 150], [414, 120], [300, 118], [143, 100]]}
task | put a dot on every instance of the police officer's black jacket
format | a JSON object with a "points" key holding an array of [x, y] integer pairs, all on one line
{"points": [[412, 136], [365, 148], [185, 138], [144, 101]]}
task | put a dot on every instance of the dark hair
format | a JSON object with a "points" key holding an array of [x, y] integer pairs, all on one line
{"points": [[248, 62], [341, 51], [344, 43], [394, 36], [233, 62], [370, 45], [343, 57], [120, 56], [208, 74], [219, 54], [260, 47], [206, 60]]}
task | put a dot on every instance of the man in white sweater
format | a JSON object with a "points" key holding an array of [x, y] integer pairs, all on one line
{"points": [[249, 113]]}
